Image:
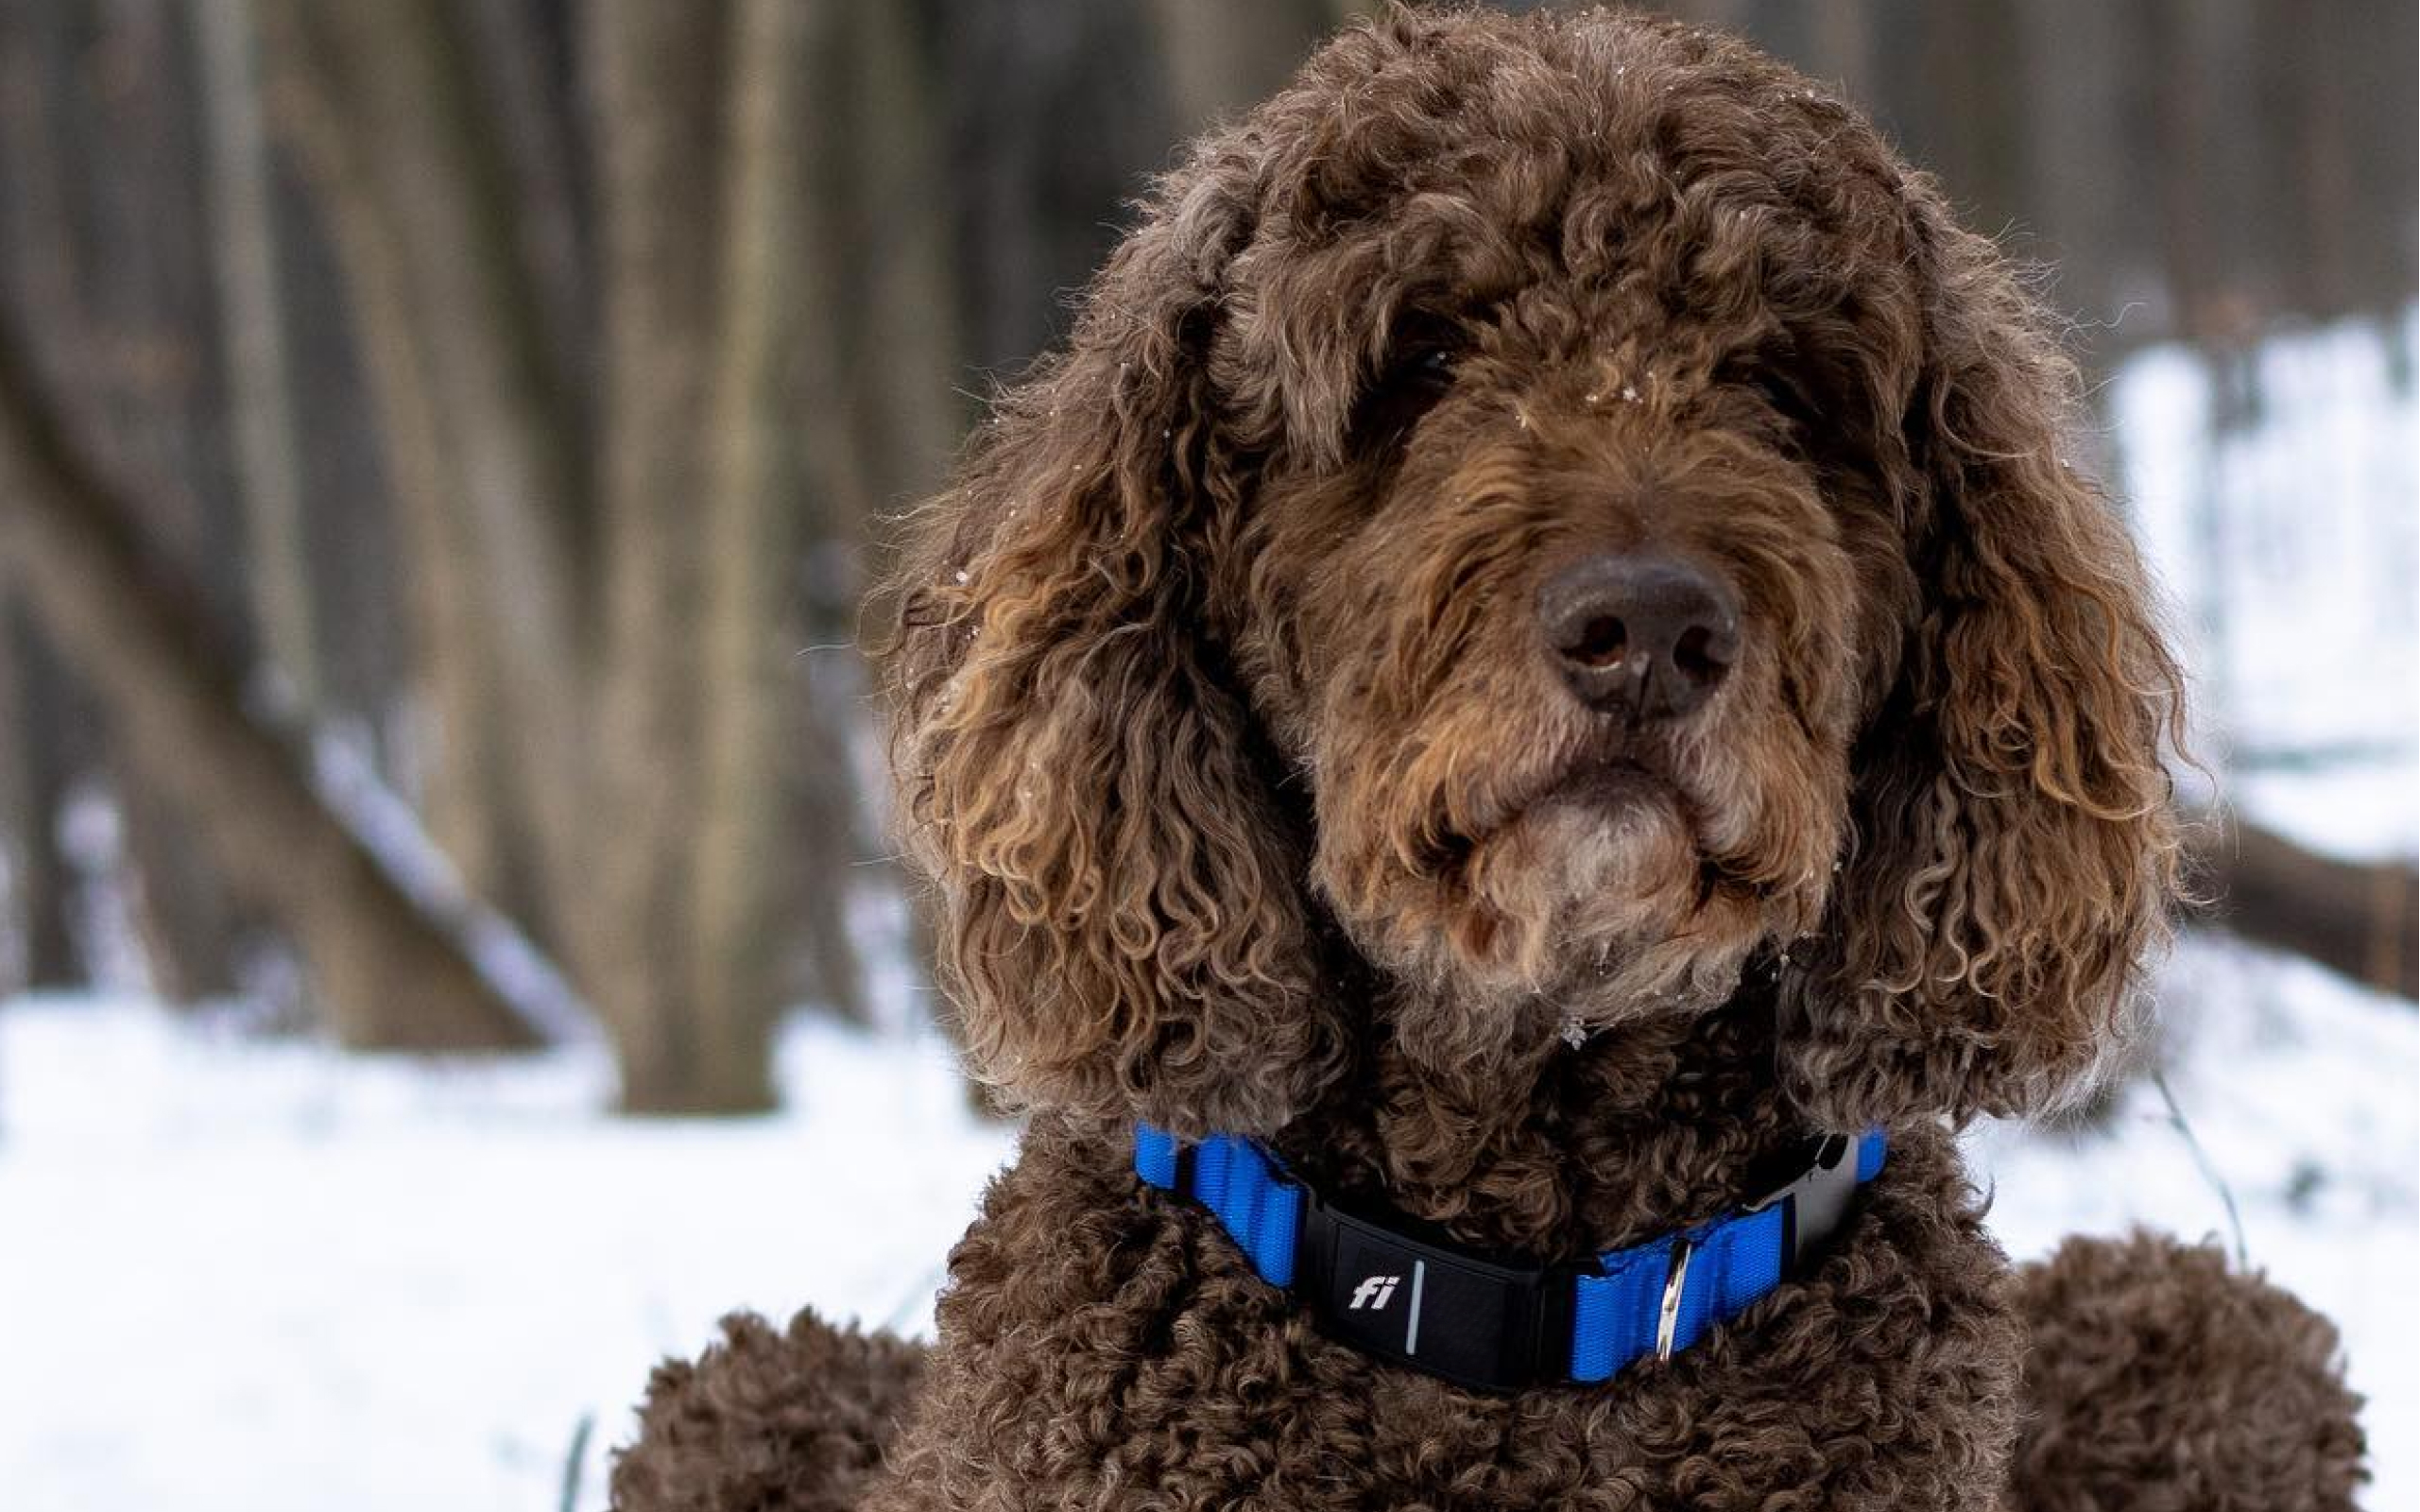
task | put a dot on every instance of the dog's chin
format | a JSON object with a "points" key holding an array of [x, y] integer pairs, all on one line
{"points": [[1591, 906], [1605, 882]]}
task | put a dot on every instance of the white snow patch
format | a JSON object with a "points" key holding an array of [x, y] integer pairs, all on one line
{"points": [[2304, 1094], [2275, 494], [237, 1273]]}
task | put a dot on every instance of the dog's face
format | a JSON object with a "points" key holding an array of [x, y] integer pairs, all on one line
{"points": [[1554, 510], [1555, 610]]}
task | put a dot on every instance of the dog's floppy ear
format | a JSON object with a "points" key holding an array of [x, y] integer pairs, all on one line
{"points": [[2014, 850], [1122, 926]]}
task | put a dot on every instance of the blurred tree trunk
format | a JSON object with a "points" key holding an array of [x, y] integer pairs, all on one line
{"points": [[35, 716], [252, 353], [360, 571], [749, 864], [36, 763], [480, 426], [886, 294], [1979, 109], [135, 347], [523, 55], [192, 930], [885, 420], [390, 977], [681, 916], [658, 130], [1840, 43], [464, 767], [1047, 131], [1223, 57]]}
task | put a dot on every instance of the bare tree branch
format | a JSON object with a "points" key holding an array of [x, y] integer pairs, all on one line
{"points": [[2359, 919], [390, 977]]}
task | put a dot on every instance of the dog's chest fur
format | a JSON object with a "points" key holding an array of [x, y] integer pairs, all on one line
{"points": [[1105, 1347]]}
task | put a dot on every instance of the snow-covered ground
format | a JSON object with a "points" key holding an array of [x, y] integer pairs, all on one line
{"points": [[257, 1275], [275, 1279], [2304, 1095], [263, 1277]]}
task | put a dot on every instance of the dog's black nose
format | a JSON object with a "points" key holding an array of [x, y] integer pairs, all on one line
{"points": [[1652, 634]]}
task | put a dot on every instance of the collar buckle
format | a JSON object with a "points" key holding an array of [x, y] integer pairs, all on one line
{"points": [[1815, 1201]]}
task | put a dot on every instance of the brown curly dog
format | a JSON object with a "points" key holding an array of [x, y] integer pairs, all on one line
{"points": [[1537, 646]]}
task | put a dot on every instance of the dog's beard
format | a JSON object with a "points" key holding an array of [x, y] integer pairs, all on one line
{"points": [[1577, 912]]}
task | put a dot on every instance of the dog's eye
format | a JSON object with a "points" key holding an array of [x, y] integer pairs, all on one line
{"points": [[1783, 389], [1413, 383], [1429, 371]]}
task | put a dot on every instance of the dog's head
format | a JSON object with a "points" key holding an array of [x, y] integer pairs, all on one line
{"points": [[1549, 512]]}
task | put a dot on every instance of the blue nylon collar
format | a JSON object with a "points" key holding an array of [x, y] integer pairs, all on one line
{"points": [[1371, 1282]]}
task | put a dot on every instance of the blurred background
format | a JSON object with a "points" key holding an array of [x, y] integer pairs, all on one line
{"points": [[444, 451]]}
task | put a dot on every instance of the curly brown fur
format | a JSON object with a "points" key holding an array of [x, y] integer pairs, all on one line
{"points": [[1253, 800], [2157, 1381], [769, 1420], [1221, 601]]}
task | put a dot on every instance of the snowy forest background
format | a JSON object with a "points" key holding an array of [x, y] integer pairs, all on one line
{"points": [[443, 446]]}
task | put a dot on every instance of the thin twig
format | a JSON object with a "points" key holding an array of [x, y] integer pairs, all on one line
{"points": [[2209, 1171], [916, 1301], [574, 1462]]}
